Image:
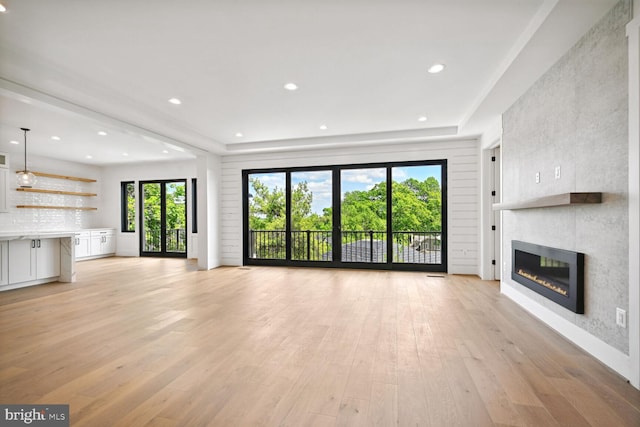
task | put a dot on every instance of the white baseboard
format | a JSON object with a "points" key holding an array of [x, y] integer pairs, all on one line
{"points": [[610, 356]]}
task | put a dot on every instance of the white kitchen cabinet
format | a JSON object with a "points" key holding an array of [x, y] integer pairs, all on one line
{"points": [[103, 242], [95, 243], [47, 258], [82, 242], [22, 260], [4, 262], [33, 259]]}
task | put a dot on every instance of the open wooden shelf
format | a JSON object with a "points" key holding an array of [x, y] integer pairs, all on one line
{"points": [[564, 199], [42, 190], [56, 207], [52, 175]]}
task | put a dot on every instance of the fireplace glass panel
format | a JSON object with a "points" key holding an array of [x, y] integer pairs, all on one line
{"points": [[548, 272]]}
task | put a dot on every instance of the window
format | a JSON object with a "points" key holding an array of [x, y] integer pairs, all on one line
{"points": [[128, 206], [382, 215], [194, 205]]}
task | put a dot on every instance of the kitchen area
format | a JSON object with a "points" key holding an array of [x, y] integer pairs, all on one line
{"points": [[46, 223]]}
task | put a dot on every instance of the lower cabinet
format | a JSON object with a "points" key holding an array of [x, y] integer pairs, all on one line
{"points": [[33, 259], [95, 243], [82, 243], [102, 242]]}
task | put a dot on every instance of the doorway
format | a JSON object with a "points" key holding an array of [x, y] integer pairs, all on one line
{"points": [[163, 218], [496, 194]]}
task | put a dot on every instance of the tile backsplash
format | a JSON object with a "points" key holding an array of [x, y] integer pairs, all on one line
{"points": [[29, 219]]}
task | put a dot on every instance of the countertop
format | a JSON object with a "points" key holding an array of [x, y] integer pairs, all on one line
{"points": [[26, 234]]}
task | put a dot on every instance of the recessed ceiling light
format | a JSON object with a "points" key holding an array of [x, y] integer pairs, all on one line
{"points": [[323, 127], [436, 68], [165, 151], [239, 135], [125, 154], [89, 156], [2, 8], [175, 101], [422, 118], [291, 86], [14, 142], [102, 133], [55, 138]]}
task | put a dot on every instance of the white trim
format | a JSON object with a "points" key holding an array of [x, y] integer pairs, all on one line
{"points": [[541, 16], [610, 356], [13, 89]]}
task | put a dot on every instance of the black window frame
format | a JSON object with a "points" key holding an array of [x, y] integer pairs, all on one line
{"points": [[124, 206], [194, 205], [336, 183]]}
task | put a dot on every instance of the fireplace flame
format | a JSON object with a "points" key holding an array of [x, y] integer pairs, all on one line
{"points": [[543, 282]]}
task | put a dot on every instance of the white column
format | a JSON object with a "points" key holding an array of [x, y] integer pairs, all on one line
{"points": [[209, 232], [633, 321]]}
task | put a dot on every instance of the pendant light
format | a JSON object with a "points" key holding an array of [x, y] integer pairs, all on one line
{"points": [[25, 178]]}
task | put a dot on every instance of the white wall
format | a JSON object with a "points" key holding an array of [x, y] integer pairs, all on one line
{"points": [[128, 244], [462, 167], [53, 219]]}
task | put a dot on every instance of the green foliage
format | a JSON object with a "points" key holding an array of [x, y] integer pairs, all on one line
{"points": [[416, 206], [175, 202], [131, 206], [176, 205], [365, 210], [267, 208], [151, 204]]}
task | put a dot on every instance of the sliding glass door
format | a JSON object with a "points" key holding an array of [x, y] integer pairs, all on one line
{"points": [[267, 216], [164, 218], [416, 209], [387, 216], [363, 215], [311, 216]]}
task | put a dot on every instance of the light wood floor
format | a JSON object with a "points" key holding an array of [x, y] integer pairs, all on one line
{"points": [[154, 342]]}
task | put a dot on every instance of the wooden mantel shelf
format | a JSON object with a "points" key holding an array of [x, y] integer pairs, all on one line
{"points": [[564, 199]]}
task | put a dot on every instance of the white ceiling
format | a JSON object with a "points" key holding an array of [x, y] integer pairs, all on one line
{"points": [[73, 68]]}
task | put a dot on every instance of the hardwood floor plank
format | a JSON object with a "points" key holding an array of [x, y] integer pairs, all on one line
{"points": [[383, 406], [156, 342], [352, 413]]}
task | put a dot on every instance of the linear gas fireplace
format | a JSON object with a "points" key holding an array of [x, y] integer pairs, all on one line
{"points": [[554, 273]]}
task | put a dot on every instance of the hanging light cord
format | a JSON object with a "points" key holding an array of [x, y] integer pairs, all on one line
{"points": [[25, 148]]}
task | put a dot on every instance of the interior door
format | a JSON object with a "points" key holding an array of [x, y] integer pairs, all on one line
{"points": [[164, 218], [497, 235]]}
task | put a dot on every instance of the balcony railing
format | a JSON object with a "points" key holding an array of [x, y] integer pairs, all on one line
{"points": [[176, 240], [414, 247]]}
